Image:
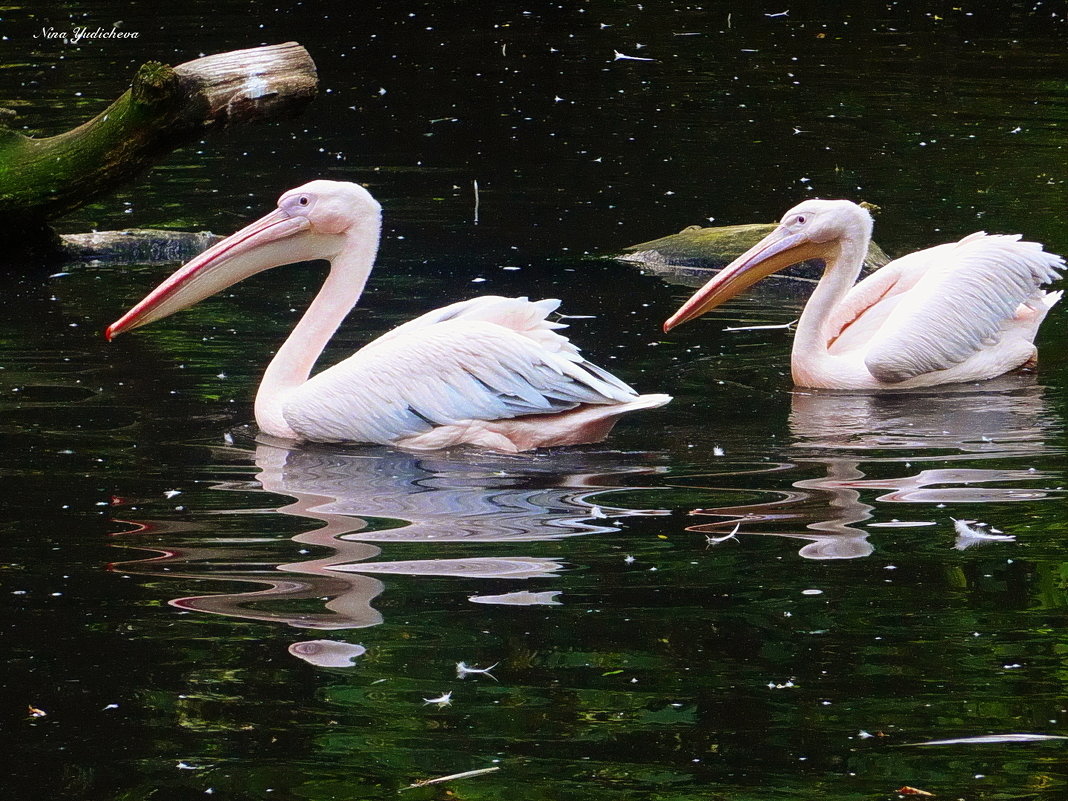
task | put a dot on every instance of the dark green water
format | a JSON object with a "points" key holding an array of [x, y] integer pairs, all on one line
{"points": [[160, 569]]}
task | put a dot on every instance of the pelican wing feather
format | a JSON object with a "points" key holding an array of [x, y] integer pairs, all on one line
{"points": [[487, 359], [519, 314], [962, 303]]}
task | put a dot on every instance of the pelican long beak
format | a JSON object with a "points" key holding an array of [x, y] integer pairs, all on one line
{"points": [[266, 243], [777, 251]]}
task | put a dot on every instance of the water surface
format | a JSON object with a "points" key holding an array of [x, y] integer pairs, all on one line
{"points": [[169, 581]]}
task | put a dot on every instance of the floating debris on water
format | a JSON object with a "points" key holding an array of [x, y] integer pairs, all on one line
{"points": [[445, 699], [463, 670], [717, 540], [972, 532], [783, 326], [467, 774]]}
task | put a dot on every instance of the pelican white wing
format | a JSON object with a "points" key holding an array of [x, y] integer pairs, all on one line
{"points": [[965, 301], [519, 314], [487, 359]]}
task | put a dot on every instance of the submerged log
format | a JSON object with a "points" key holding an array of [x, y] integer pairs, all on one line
{"points": [[165, 108], [135, 246], [691, 256]]}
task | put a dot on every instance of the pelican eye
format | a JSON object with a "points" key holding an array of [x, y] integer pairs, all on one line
{"points": [[303, 200], [801, 219]]}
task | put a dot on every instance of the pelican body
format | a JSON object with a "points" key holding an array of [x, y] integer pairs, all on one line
{"points": [[489, 372], [963, 311]]}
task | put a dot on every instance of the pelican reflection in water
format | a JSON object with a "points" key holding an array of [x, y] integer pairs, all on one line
{"points": [[940, 443], [362, 499]]}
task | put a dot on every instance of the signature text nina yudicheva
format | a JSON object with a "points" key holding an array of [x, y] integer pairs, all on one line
{"points": [[77, 33]]}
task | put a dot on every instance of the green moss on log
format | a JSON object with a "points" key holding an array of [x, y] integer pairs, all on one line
{"points": [[44, 178], [165, 107]]}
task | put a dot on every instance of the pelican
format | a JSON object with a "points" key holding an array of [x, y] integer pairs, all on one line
{"points": [[963, 311], [490, 372]]}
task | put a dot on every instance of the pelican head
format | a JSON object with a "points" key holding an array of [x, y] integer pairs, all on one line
{"points": [[313, 221], [813, 229]]}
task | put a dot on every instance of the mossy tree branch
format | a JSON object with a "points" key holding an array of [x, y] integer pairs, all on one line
{"points": [[165, 108]]}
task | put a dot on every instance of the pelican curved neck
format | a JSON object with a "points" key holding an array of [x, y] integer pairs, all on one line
{"points": [[818, 324], [293, 362]]}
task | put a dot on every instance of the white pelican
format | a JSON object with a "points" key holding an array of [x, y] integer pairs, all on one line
{"points": [[963, 311], [490, 372]]}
